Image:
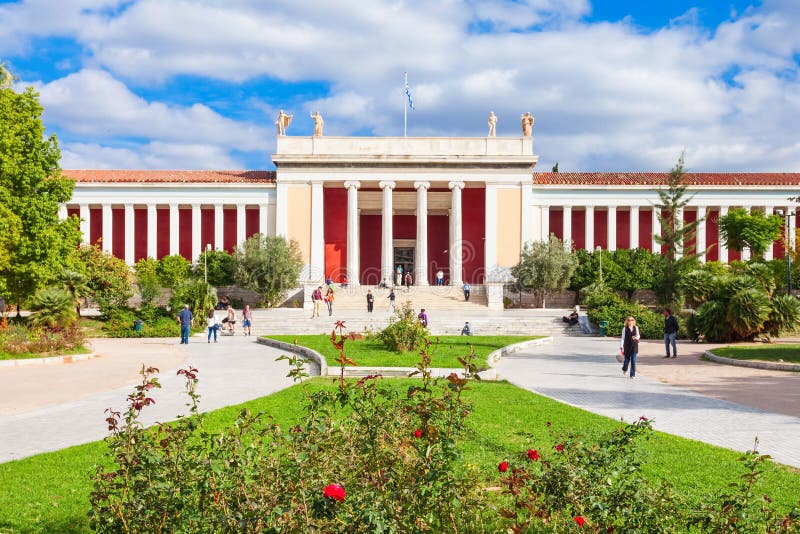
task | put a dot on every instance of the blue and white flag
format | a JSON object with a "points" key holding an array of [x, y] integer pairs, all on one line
{"points": [[408, 94]]}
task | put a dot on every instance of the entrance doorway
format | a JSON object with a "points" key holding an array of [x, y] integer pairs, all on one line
{"points": [[403, 263]]}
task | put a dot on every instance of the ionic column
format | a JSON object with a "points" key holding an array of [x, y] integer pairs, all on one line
{"points": [[723, 250], [567, 224], [130, 256], [263, 219], [545, 224], [421, 250], [656, 248], [174, 230], [634, 228], [387, 244], [84, 215], [768, 255], [152, 231], [745, 255], [700, 234], [353, 238], [456, 240], [490, 232], [219, 227], [197, 244], [108, 230], [241, 224], [611, 228], [317, 267], [281, 209], [589, 225]]}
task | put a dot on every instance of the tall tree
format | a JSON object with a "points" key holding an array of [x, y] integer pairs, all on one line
{"points": [[31, 188], [545, 266], [269, 266], [676, 235], [740, 229]]}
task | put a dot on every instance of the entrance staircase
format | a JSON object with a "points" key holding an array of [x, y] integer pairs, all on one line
{"points": [[428, 297]]}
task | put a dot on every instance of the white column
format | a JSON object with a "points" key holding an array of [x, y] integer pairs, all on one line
{"points": [[456, 241], [241, 223], [108, 230], [745, 254], [152, 231], [317, 268], [219, 227], [421, 250], [353, 236], [723, 250], [567, 224], [700, 234], [490, 232], [589, 226], [174, 229], [263, 219], [130, 257], [656, 248], [281, 209], [197, 245], [85, 219], [545, 225], [62, 212], [633, 227], [792, 227], [387, 238], [611, 228], [678, 225], [526, 211], [768, 255]]}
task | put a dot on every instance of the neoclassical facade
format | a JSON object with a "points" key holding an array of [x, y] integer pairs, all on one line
{"points": [[363, 208]]}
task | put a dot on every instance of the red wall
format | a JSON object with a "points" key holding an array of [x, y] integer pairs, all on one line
{"points": [[438, 242], [206, 227], [712, 235], [229, 236], [690, 246], [646, 229], [185, 233], [557, 223], [162, 225], [473, 229], [118, 230], [95, 225], [578, 229], [251, 219], [140, 233], [404, 226], [73, 211], [623, 229], [370, 249], [335, 220], [601, 229]]}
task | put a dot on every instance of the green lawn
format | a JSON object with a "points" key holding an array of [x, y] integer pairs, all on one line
{"points": [[49, 492], [371, 353], [770, 353], [27, 355]]}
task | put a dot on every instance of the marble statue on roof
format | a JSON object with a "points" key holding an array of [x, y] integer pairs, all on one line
{"points": [[283, 122]]}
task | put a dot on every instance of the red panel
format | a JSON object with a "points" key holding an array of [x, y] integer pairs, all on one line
{"points": [[162, 226], [473, 229], [95, 226], [335, 221], [185, 233], [557, 223], [646, 229], [778, 250], [251, 222], [578, 229], [712, 240], [438, 241], [690, 216], [623, 230], [404, 226], [370, 249], [73, 211], [229, 237], [601, 228], [734, 255], [206, 227], [139, 233], [118, 229]]}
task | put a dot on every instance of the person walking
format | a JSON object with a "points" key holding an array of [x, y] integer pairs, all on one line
{"points": [[370, 300], [391, 300], [213, 325], [247, 320], [466, 291], [230, 318], [439, 277], [329, 300], [670, 332], [629, 345], [423, 318], [316, 299], [408, 281], [185, 319]]}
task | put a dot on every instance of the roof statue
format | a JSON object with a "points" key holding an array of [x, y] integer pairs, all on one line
{"points": [[318, 124], [492, 124], [283, 122], [527, 124]]}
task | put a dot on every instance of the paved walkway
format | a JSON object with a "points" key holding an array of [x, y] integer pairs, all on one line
{"points": [[583, 372]]}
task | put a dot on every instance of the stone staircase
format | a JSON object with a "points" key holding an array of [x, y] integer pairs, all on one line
{"points": [[429, 297]]}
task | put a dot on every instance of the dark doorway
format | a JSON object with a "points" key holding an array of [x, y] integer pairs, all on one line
{"points": [[403, 263]]}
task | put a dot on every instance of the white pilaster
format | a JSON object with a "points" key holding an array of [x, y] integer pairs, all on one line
{"points": [[387, 237], [589, 225], [792, 227], [317, 267], [130, 256], [421, 249], [263, 219], [241, 224], [527, 213], [633, 226], [174, 230], [281, 209], [152, 231], [745, 254], [219, 227], [85, 219], [768, 255], [108, 230], [567, 225], [656, 248], [545, 224], [62, 212], [490, 235], [700, 234], [197, 244], [611, 228], [723, 250], [353, 235], [456, 241], [679, 225]]}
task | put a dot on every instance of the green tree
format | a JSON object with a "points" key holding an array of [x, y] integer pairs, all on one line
{"points": [[544, 266], [221, 267], [269, 266], [200, 297], [31, 187], [173, 270], [740, 229], [675, 234], [107, 276], [146, 270], [52, 308], [77, 285]]}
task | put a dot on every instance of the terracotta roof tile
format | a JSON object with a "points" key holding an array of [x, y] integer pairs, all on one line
{"points": [[197, 177], [660, 178]]}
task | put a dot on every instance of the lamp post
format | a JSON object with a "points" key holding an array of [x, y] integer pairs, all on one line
{"points": [[787, 221], [600, 255]]}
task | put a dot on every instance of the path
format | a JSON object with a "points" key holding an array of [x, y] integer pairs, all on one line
{"points": [[583, 372]]}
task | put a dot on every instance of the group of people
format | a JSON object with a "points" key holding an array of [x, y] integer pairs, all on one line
{"points": [[317, 298], [629, 341], [213, 323]]}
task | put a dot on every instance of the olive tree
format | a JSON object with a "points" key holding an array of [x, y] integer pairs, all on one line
{"points": [[270, 266], [544, 266]]}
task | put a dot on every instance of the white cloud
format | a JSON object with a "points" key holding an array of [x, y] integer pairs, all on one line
{"points": [[156, 155]]}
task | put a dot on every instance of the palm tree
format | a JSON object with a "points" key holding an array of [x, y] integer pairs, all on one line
{"points": [[52, 307], [75, 283]]}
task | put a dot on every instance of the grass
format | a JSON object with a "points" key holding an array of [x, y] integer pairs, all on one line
{"points": [[28, 355], [372, 353], [769, 353], [49, 492]]}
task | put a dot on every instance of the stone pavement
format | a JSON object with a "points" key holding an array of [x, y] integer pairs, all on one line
{"points": [[235, 370], [583, 372]]}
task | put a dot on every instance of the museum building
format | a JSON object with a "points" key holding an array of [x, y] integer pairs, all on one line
{"points": [[363, 207]]}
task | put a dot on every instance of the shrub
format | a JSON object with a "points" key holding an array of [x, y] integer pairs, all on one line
{"points": [[19, 339], [108, 277], [200, 297], [270, 266], [173, 270], [221, 267], [404, 333], [604, 305], [147, 279], [52, 307]]}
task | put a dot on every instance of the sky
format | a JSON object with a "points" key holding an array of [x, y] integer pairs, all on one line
{"points": [[623, 85]]}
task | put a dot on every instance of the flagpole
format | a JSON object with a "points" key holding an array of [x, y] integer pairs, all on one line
{"points": [[405, 106]]}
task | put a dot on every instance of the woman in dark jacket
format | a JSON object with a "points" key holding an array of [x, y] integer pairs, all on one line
{"points": [[629, 345]]}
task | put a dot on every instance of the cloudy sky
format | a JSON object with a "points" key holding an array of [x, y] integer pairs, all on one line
{"points": [[614, 85]]}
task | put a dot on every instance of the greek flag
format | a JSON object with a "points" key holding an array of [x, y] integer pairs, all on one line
{"points": [[408, 94]]}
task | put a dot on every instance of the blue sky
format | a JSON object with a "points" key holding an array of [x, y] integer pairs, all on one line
{"points": [[623, 85]]}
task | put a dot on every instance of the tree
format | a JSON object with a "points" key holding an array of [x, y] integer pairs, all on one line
{"points": [[555, 167], [544, 266], [76, 284], [675, 235], [146, 270], [52, 307], [173, 270], [740, 229], [221, 267], [108, 277], [31, 188], [269, 266]]}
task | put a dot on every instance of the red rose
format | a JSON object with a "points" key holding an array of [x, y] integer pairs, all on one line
{"points": [[549, 423], [334, 491], [579, 520], [503, 467], [418, 433], [559, 447], [533, 455]]}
